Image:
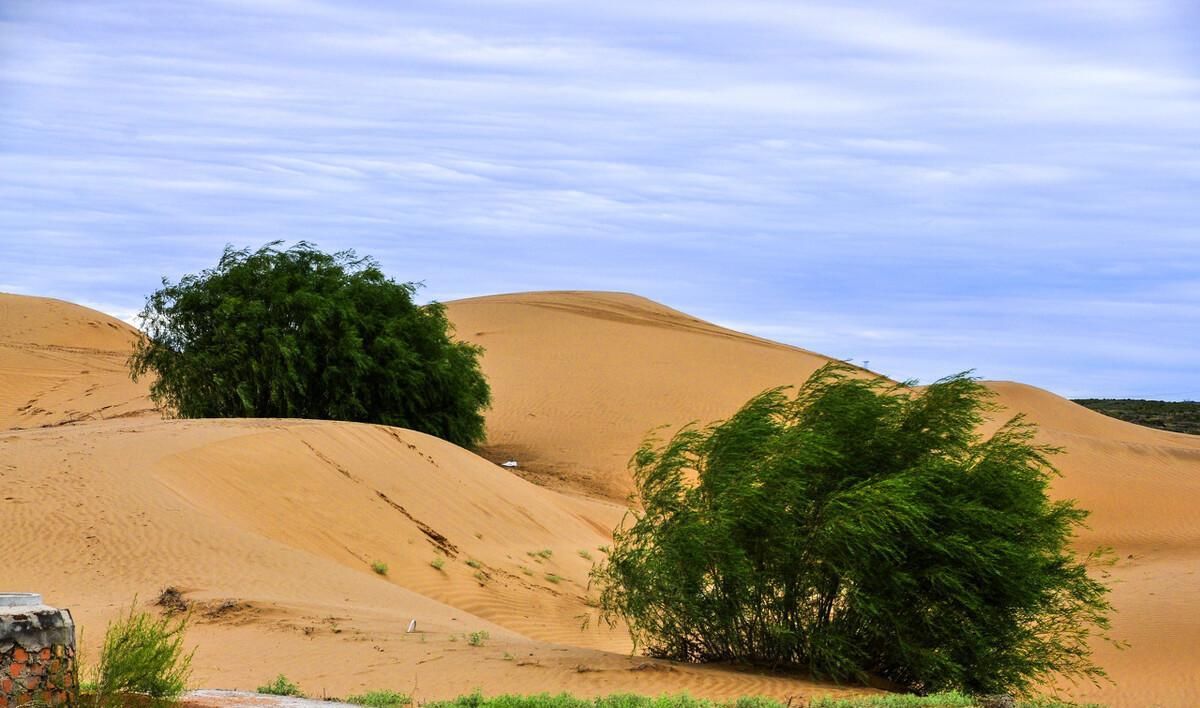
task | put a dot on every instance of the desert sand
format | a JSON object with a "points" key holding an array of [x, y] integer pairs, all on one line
{"points": [[269, 527], [61, 363]]}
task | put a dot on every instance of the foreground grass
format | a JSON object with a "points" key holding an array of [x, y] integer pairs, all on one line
{"points": [[281, 686], [381, 699], [545, 700]]}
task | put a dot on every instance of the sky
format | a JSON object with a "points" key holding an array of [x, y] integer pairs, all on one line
{"points": [[926, 187]]}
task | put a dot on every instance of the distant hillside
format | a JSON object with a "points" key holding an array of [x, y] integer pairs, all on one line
{"points": [[1177, 416]]}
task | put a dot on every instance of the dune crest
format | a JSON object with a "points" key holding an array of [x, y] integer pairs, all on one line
{"points": [[580, 378], [62, 363]]}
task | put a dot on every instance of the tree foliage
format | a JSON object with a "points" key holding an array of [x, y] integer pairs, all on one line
{"points": [[860, 528], [298, 333]]}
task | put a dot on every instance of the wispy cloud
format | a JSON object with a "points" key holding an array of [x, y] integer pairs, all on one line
{"points": [[931, 186]]}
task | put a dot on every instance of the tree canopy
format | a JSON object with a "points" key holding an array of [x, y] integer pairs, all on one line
{"points": [[860, 528], [297, 333]]}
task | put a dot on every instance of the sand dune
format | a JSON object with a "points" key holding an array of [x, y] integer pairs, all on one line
{"points": [[60, 363], [270, 526], [579, 378]]}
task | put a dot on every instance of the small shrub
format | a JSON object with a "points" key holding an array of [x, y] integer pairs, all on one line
{"points": [[380, 567], [474, 563], [556, 579], [481, 577], [281, 686], [477, 639], [142, 654], [542, 554], [583, 553], [381, 699], [525, 570], [438, 563]]}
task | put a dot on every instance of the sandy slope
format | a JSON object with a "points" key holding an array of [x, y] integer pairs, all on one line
{"points": [[283, 518], [271, 526], [580, 377], [60, 362]]}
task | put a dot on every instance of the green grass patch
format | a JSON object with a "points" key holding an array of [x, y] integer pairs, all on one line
{"points": [[474, 563], [438, 563], [281, 686], [381, 699], [551, 577], [380, 567], [478, 639]]}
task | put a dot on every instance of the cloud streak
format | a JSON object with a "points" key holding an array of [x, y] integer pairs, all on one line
{"points": [[945, 186]]}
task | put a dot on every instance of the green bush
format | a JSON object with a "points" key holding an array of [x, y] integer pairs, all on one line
{"points": [[478, 639], [380, 567], [861, 528], [281, 686], [298, 333], [438, 563], [381, 699], [142, 654]]}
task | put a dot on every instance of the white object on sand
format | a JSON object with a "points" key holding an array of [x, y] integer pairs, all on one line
{"points": [[510, 463], [412, 627]]}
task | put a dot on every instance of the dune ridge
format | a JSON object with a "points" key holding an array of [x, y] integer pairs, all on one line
{"points": [[62, 363]]}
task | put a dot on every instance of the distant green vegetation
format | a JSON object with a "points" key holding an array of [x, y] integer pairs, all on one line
{"points": [[1176, 416], [546, 700], [859, 528]]}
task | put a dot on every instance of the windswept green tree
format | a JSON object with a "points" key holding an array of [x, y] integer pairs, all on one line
{"points": [[297, 333], [861, 528]]}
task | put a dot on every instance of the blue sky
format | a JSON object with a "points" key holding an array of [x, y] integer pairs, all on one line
{"points": [[930, 186]]}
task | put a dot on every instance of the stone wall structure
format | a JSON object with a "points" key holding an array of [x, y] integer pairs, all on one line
{"points": [[37, 652]]}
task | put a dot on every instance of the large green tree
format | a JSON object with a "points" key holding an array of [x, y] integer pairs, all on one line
{"points": [[297, 333], [861, 528]]}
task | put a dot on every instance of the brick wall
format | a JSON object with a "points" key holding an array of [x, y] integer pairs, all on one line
{"points": [[37, 657]]}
